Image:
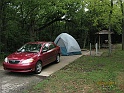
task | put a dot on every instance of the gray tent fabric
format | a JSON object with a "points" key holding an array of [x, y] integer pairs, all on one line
{"points": [[68, 45]]}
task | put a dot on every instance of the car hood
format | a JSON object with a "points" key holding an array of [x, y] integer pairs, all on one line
{"points": [[21, 55]]}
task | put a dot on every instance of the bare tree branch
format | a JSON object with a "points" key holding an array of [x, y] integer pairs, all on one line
{"points": [[51, 22]]}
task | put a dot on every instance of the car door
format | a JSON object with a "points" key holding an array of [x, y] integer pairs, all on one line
{"points": [[49, 54], [45, 54], [52, 52]]}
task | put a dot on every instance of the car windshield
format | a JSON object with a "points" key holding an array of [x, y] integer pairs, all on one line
{"points": [[30, 48]]}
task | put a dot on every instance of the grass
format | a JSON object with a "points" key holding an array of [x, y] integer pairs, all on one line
{"points": [[88, 74]]}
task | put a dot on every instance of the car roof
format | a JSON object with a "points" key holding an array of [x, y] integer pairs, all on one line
{"points": [[39, 42]]}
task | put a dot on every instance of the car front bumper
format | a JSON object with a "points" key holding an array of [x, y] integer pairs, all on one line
{"points": [[19, 67]]}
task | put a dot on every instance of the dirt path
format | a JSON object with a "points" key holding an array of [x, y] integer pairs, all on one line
{"points": [[16, 82]]}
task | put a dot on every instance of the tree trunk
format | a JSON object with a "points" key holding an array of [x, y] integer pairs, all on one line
{"points": [[85, 39], [3, 24], [122, 10], [32, 36], [1, 5], [109, 34], [109, 41], [31, 30]]}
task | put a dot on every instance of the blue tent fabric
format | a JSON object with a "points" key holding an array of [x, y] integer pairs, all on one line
{"points": [[63, 50], [68, 45], [75, 53]]}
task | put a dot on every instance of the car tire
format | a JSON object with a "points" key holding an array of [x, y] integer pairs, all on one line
{"points": [[38, 67], [58, 58]]}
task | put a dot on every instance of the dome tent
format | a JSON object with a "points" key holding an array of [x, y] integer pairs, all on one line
{"points": [[68, 45]]}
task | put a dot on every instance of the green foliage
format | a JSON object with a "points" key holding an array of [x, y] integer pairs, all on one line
{"points": [[31, 20]]}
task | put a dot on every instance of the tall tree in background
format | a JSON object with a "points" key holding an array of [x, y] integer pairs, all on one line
{"points": [[110, 28], [3, 23], [122, 10], [1, 10]]}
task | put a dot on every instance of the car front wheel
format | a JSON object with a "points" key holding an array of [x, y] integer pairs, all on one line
{"points": [[38, 67]]}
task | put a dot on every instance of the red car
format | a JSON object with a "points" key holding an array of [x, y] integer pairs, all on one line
{"points": [[32, 57]]}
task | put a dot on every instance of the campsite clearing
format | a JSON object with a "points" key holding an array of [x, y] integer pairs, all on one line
{"points": [[87, 74]]}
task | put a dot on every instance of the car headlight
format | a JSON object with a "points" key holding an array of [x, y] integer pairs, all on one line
{"points": [[6, 59], [28, 61]]}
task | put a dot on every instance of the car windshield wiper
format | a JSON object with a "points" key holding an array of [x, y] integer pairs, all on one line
{"points": [[32, 51], [22, 51], [19, 51]]}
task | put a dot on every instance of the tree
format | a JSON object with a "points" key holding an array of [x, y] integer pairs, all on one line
{"points": [[3, 24], [122, 10], [109, 33]]}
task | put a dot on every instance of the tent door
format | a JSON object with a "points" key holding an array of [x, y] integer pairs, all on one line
{"points": [[63, 49]]}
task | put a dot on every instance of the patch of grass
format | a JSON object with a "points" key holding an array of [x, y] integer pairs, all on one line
{"points": [[87, 74]]}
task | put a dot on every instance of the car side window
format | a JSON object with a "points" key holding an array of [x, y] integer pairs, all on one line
{"points": [[51, 46], [46, 47]]}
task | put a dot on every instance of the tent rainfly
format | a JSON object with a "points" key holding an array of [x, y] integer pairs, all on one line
{"points": [[68, 45]]}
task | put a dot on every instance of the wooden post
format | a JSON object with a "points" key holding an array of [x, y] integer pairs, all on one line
{"points": [[90, 49], [96, 48], [99, 41]]}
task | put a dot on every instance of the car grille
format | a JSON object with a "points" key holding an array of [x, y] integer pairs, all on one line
{"points": [[14, 61]]}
